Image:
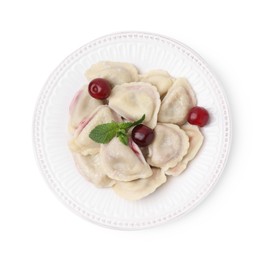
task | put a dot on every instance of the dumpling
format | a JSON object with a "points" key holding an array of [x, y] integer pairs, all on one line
{"points": [[140, 188], [81, 141], [132, 100], [175, 106], [89, 167], [169, 146], [196, 141], [114, 72], [123, 163], [82, 106], [161, 79]]}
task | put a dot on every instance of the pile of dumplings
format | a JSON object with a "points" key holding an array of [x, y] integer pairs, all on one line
{"points": [[131, 171]]}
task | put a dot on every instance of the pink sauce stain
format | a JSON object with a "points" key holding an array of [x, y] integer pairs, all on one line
{"points": [[82, 125], [74, 101], [135, 149]]}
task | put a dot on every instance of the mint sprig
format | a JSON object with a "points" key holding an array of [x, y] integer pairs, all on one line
{"points": [[104, 133]]}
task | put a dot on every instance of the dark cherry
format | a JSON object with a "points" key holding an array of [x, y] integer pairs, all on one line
{"points": [[198, 116], [142, 135], [99, 88]]}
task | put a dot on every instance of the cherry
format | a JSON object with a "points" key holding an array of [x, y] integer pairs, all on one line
{"points": [[99, 88], [142, 135], [198, 116]]}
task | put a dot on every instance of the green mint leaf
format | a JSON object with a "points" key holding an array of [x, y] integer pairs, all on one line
{"points": [[120, 131], [138, 122], [123, 138], [104, 133], [127, 125]]}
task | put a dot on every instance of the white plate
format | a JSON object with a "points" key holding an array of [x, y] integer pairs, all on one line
{"points": [[102, 206]]}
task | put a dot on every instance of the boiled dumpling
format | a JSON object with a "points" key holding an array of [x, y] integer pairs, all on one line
{"points": [[175, 106], [196, 141], [161, 79], [132, 100], [89, 167], [122, 162], [82, 106], [140, 188], [114, 72], [81, 141], [169, 146]]}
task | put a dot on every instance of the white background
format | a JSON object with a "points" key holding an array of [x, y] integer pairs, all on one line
{"points": [[35, 36]]}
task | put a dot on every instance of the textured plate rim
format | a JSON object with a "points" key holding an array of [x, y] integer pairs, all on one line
{"points": [[40, 154]]}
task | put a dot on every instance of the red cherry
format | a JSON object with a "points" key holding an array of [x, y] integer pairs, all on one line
{"points": [[198, 116], [99, 88], [142, 135]]}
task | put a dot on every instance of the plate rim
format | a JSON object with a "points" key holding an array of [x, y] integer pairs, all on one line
{"points": [[40, 106]]}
